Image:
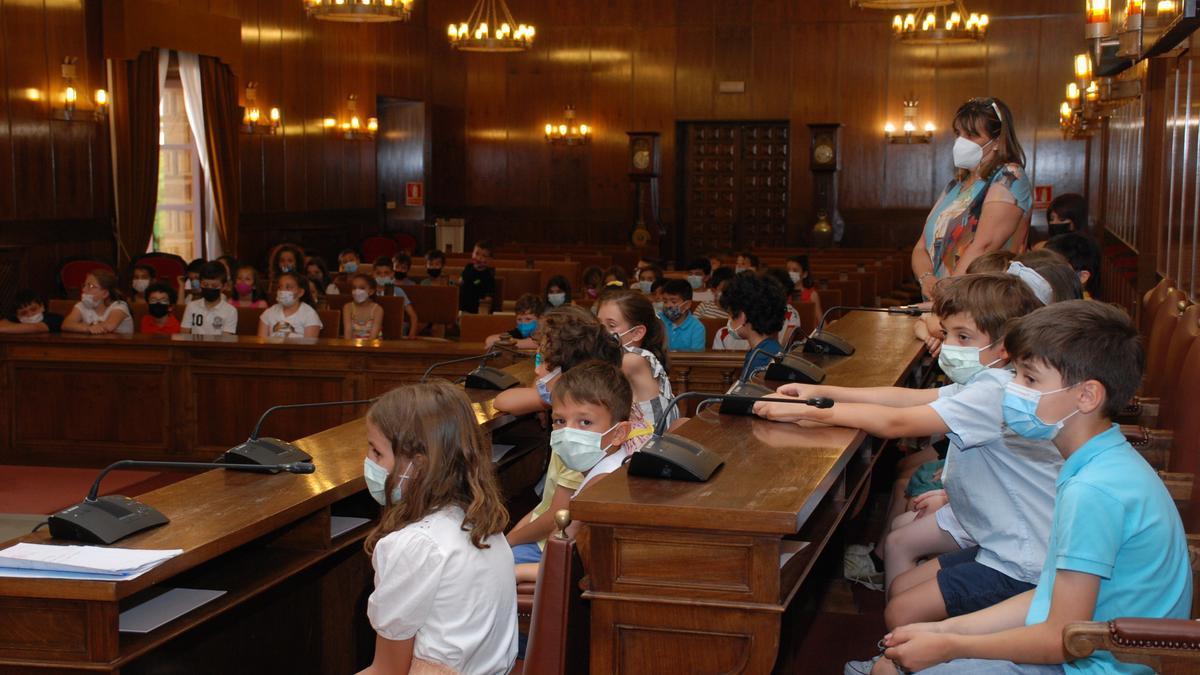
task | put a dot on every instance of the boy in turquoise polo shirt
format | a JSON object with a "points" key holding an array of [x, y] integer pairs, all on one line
{"points": [[1117, 547], [685, 333]]}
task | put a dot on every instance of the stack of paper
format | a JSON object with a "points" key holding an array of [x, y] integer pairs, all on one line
{"points": [[80, 562]]}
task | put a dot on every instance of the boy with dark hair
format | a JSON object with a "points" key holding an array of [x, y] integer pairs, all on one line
{"points": [[756, 306], [478, 279], [529, 309], [999, 486], [385, 285], [1083, 254], [189, 284], [401, 264], [685, 333], [435, 264], [698, 273], [29, 315], [1117, 546], [210, 314], [348, 261], [159, 319]]}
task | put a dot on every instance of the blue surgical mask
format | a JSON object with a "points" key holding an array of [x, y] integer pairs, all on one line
{"points": [[526, 328], [672, 313], [350, 267], [383, 281], [1020, 412], [579, 449], [376, 477], [961, 363], [543, 384]]}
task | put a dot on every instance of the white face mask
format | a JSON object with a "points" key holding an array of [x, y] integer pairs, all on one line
{"points": [[695, 280], [140, 285], [729, 325], [376, 477], [795, 277], [360, 295], [34, 318], [968, 154], [90, 301], [658, 307], [961, 363], [286, 298], [739, 269], [644, 286], [620, 336], [579, 449], [556, 299]]}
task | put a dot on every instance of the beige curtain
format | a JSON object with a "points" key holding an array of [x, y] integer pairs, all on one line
{"points": [[221, 121]]}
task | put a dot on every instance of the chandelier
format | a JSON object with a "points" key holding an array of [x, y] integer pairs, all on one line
{"points": [[491, 28], [568, 132], [898, 5], [942, 25], [360, 11]]}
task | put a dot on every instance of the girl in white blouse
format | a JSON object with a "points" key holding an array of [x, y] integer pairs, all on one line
{"points": [[445, 595], [100, 309]]}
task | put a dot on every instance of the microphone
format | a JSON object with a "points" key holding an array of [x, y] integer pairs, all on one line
{"points": [[483, 377], [785, 367], [104, 520], [674, 457], [273, 451], [822, 342]]}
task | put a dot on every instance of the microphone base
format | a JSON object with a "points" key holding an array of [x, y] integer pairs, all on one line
{"points": [[824, 342], [264, 451], [674, 458], [486, 377], [733, 407], [104, 521], [795, 369]]}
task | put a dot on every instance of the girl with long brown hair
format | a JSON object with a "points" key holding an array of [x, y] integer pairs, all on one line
{"points": [[631, 318], [445, 593]]}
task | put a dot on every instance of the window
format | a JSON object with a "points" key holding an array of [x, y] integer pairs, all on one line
{"points": [[177, 221]]}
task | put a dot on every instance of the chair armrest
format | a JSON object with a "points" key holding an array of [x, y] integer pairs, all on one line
{"points": [[1162, 644], [1153, 444], [1141, 410], [1178, 484]]}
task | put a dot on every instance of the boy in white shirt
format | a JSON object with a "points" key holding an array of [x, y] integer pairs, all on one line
{"points": [[210, 314]]}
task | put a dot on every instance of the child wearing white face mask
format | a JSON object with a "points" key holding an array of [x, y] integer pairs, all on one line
{"points": [[100, 309], [596, 427], [29, 315], [631, 319], [291, 315], [363, 318], [444, 598]]}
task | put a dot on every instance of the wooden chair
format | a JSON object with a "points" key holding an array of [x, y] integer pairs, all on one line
{"points": [[550, 268], [1158, 411], [1165, 321], [393, 315], [559, 623], [378, 246], [711, 326], [1150, 302], [477, 327], [331, 323], [248, 320], [60, 306], [434, 304], [808, 316]]}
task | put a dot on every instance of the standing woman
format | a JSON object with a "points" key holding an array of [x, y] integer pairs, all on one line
{"points": [[987, 207]]}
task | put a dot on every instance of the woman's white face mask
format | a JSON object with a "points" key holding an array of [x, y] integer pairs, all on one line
{"points": [[968, 154]]}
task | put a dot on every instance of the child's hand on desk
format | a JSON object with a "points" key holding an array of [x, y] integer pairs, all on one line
{"points": [[797, 390], [929, 502], [97, 329], [782, 412]]}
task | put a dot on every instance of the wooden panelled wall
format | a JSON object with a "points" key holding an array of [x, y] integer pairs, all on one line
{"points": [[645, 64], [625, 64]]}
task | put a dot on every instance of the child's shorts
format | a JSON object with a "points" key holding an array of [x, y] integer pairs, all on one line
{"points": [[526, 553], [968, 586]]}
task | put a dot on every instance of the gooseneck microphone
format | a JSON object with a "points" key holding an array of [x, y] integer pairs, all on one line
{"points": [[272, 451], [674, 457], [822, 342], [104, 520], [784, 367], [483, 377]]}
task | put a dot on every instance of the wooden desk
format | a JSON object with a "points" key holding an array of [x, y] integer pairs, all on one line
{"points": [[687, 577], [294, 598]]}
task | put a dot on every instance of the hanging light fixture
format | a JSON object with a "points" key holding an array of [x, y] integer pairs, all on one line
{"points": [[491, 28], [568, 132], [359, 11], [898, 5], [947, 23]]}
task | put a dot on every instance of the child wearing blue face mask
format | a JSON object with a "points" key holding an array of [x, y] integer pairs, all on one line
{"points": [[444, 598], [529, 309], [1117, 546], [1000, 487], [595, 427]]}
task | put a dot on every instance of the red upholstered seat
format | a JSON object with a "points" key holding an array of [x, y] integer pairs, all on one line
{"points": [[167, 267], [72, 273], [376, 247]]}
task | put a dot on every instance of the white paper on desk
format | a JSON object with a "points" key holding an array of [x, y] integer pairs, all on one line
{"points": [[163, 609], [499, 450], [95, 560], [14, 573]]}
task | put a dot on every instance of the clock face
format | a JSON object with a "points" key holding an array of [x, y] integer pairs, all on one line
{"points": [[823, 153], [641, 159]]}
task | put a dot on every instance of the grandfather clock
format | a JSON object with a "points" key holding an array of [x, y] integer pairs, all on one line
{"points": [[825, 160], [645, 163]]}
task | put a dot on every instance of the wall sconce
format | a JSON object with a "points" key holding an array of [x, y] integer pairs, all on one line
{"points": [[252, 117], [1083, 70], [1129, 41], [352, 129], [70, 96], [1099, 19], [568, 132], [909, 126]]}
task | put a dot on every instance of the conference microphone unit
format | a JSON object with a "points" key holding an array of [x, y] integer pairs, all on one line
{"points": [[672, 457], [783, 367], [104, 520], [273, 451], [824, 342], [483, 377]]}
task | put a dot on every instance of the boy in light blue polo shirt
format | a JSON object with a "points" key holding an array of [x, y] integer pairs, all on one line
{"points": [[1002, 485], [685, 333], [1117, 547]]}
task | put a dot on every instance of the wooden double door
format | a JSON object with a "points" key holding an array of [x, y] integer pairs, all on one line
{"points": [[735, 185]]}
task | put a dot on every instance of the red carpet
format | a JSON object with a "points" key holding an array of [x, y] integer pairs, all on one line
{"points": [[44, 490]]}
